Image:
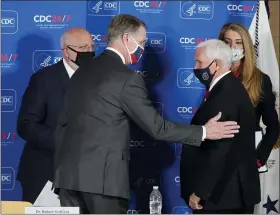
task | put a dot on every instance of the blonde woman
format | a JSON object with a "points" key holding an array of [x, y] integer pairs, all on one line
{"points": [[257, 84]]}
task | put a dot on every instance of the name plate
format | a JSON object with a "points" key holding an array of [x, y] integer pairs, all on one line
{"points": [[52, 210]]}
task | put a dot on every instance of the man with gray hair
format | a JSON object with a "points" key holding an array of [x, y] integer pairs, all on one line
{"points": [[221, 176], [92, 156], [40, 107]]}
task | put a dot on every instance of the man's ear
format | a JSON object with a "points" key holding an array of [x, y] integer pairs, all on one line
{"points": [[218, 64], [125, 37], [64, 52]]}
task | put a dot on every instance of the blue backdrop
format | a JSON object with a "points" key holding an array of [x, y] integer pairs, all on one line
{"points": [[31, 31]]}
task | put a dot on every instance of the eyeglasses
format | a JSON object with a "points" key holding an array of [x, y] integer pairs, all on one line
{"points": [[85, 48]]}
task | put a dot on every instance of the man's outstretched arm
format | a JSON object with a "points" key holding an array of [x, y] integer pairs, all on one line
{"points": [[137, 105]]}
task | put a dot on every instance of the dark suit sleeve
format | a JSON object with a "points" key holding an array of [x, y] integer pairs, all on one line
{"points": [[225, 154], [32, 113], [135, 102], [270, 119]]}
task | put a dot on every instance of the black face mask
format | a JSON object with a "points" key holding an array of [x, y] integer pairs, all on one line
{"points": [[204, 75], [82, 57]]}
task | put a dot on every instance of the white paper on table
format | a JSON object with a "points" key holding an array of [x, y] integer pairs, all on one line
{"points": [[258, 138], [47, 197]]}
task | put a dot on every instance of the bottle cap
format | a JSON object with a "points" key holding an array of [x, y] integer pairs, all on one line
{"points": [[155, 187]]}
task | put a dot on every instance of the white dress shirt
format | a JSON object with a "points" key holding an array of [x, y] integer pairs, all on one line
{"points": [[69, 70]]}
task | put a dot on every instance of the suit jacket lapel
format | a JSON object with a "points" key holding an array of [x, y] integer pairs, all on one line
{"points": [[62, 75], [204, 102]]}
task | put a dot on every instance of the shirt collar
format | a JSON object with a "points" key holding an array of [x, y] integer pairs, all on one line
{"points": [[117, 52], [218, 79], [69, 70]]}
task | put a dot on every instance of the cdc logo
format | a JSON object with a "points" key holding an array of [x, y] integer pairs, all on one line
{"points": [[44, 58], [156, 42], [149, 75], [103, 8], [42, 18], [240, 8], [247, 10], [187, 79], [8, 100], [51, 18], [9, 22], [187, 110], [146, 7], [137, 143], [177, 180], [149, 4], [181, 210], [197, 9], [7, 178], [131, 211], [146, 182], [99, 39], [141, 144], [193, 41]]}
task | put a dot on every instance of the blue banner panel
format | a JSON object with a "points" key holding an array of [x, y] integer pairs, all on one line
{"points": [[31, 33]]}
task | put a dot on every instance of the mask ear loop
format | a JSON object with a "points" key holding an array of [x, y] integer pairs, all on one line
{"points": [[211, 64], [73, 51], [136, 43], [127, 50]]}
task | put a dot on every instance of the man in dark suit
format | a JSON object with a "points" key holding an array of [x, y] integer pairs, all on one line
{"points": [[92, 150], [221, 176], [39, 111]]}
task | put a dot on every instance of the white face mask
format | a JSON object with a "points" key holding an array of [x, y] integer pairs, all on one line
{"points": [[137, 52], [237, 54]]}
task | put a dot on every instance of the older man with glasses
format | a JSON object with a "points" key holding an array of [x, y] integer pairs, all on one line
{"points": [[40, 108]]}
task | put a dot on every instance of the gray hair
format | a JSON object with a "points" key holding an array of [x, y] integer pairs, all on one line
{"points": [[219, 50], [122, 24], [72, 32], [63, 39]]}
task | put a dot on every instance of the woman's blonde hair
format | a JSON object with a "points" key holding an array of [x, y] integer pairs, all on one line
{"points": [[250, 75]]}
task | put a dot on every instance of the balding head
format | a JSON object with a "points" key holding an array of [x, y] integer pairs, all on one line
{"points": [[72, 42], [75, 36]]}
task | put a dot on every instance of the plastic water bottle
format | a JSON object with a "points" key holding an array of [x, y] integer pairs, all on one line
{"points": [[155, 201]]}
